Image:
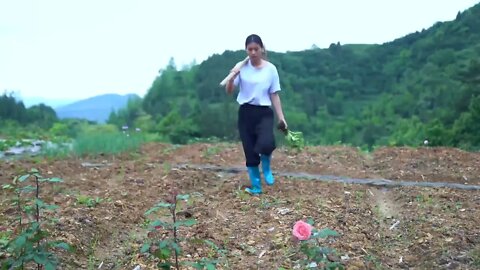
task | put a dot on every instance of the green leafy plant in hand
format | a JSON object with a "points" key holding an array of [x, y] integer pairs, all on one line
{"points": [[30, 244], [294, 139]]}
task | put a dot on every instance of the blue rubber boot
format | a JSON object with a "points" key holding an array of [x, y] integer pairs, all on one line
{"points": [[267, 171], [254, 174]]}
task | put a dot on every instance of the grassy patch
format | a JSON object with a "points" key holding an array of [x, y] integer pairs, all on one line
{"points": [[107, 143], [475, 254]]}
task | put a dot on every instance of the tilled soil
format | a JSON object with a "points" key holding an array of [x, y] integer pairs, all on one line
{"points": [[379, 228]]}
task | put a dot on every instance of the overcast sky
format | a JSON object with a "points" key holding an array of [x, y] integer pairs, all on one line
{"points": [[66, 49]]}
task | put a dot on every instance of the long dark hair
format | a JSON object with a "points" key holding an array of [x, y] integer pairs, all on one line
{"points": [[256, 38]]}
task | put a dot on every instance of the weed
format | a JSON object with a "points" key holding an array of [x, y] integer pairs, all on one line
{"points": [[88, 201], [359, 195], [30, 244], [91, 252], [164, 249], [269, 202], [425, 201], [475, 255], [242, 195], [375, 261], [170, 149], [211, 151], [167, 167], [379, 214]]}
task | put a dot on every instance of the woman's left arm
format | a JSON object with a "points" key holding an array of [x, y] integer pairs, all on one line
{"points": [[277, 104]]}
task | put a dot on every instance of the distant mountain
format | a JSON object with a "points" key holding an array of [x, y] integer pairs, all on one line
{"points": [[54, 103], [97, 108], [36, 100]]}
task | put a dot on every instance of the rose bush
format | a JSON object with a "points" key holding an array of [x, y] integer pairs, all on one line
{"points": [[302, 230]]}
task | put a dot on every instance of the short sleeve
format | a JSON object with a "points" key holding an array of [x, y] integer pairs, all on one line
{"points": [[275, 86]]}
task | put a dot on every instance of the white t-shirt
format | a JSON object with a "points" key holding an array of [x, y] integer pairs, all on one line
{"points": [[256, 84]]}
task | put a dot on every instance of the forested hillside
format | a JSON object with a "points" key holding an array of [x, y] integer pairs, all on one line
{"points": [[15, 112], [421, 86]]}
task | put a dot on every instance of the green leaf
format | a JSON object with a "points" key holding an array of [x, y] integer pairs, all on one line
{"points": [[196, 265], [334, 266], [326, 250], [34, 226], [39, 202], [28, 189], [33, 170], [29, 209], [39, 235], [211, 267], [49, 266], [166, 253], [157, 223], [40, 258], [186, 223], [183, 197], [211, 244], [145, 248], [3, 241], [7, 186], [20, 241], [50, 207], [311, 221], [163, 244], [164, 205], [151, 210], [23, 177], [157, 207], [326, 233], [43, 205], [176, 247], [63, 245], [28, 249], [7, 264], [163, 253], [54, 180], [165, 265], [16, 264]]}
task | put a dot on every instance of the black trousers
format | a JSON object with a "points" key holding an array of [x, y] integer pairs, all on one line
{"points": [[255, 125]]}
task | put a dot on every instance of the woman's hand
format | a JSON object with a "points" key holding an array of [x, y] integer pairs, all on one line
{"points": [[282, 125]]}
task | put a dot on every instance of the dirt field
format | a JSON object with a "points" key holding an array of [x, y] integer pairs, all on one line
{"points": [[380, 228]]}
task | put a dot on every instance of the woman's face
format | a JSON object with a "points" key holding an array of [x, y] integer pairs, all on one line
{"points": [[254, 51]]}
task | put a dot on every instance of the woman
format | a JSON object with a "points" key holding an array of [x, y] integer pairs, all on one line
{"points": [[259, 85]]}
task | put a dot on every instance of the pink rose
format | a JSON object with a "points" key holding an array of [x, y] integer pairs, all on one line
{"points": [[302, 230]]}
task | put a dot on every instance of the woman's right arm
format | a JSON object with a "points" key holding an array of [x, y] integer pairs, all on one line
{"points": [[230, 86]]}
